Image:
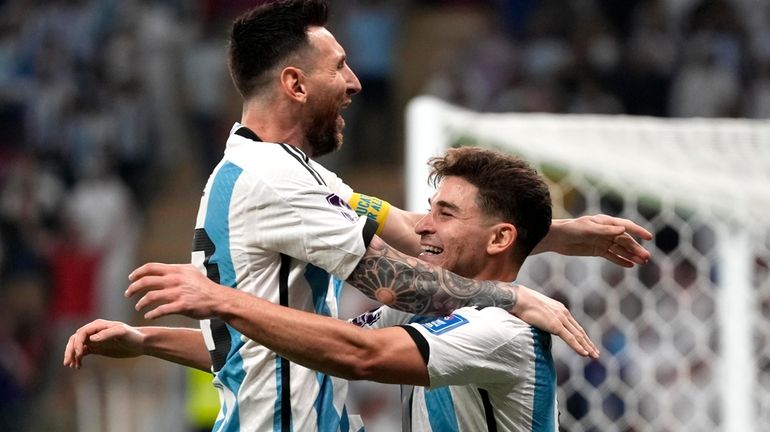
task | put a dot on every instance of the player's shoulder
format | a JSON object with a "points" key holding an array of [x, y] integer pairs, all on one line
{"points": [[494, 318]]}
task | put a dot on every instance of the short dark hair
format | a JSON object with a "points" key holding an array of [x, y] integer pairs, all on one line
{"points": [[268, 34], [509, 188]]}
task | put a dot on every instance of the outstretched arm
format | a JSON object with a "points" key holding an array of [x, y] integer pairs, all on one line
{"points": [[181, 289], [115, 339], [609, 237]]}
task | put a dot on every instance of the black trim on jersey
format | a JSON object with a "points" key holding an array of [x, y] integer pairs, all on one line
{"points": [[221, 337], [219, 333], [202, 243], [247, 133], [283, 280], [304, 161], [407, 394], [296, 153], [370, 228], [419, 340], [489, 413], [283, 297], [285, 396]]}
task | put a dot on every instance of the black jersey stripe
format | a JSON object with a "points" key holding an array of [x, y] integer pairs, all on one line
{"points": [[489, 413], [305, 163], [283, 298], [407, 395]]}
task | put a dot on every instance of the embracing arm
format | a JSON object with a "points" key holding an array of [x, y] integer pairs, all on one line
{"points": [[115, 339], [325, 344], [609, 237], [398, 231], [166, 289], [412, 285], [317, 342]]}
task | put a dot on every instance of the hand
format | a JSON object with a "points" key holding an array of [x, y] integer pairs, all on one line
{"points": [[167, 289], [599, 235], [552, 316], [108, 338]]}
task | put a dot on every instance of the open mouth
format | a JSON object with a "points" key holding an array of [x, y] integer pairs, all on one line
{"points": [[431, 250]]}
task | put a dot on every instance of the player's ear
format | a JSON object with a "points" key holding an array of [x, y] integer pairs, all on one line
{"points": [[503, 238], [293, 83]]}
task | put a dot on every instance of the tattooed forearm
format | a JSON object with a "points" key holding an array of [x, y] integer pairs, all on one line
{"points": [[411, 285]]}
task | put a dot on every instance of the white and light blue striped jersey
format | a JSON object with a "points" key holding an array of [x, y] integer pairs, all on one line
{"points": [[489, 371], [275, 224]]}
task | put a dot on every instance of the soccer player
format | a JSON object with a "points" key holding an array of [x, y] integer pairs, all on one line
{"points": [[274, 223], [486, 370]]}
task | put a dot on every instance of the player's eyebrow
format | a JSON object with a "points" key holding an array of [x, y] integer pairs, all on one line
{"points": [[444, 204]]}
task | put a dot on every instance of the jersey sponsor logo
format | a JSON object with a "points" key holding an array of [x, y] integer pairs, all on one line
{"points": [[444, 324], [342, 206]]}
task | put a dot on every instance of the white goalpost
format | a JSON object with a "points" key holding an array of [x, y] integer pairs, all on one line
{"points": [[685, 338]]}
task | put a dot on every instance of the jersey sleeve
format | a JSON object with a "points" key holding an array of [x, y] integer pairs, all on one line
{"points": [[299, 216], [474, 347], [335, 184], [382, 317]]}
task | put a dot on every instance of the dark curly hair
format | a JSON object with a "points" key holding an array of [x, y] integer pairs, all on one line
{"points": [[509, 188]]}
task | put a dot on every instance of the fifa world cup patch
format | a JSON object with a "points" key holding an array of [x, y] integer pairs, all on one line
{"points": [[444, 324]]}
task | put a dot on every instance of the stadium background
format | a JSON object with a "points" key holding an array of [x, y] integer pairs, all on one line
{"points": [[112, 112]]}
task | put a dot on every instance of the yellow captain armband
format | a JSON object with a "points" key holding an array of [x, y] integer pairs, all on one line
{"points": [[372, 207]]}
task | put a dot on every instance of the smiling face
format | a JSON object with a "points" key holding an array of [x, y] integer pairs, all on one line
{"points": [[456, 234], [331, 83]]}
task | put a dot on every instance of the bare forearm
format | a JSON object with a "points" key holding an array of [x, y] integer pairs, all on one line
{"points": [[551, 241], [399, 233], [412, 285], [325, 344], [178, 345]]}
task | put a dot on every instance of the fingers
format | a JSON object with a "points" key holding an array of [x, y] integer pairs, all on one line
{"points": [[624, 249], [147, 283], [625, 246], [155, 269], [77, 347], [582, 337], [617, 257], [628, 225], [153, 300], [576, 337], [161, 311], [69, 353], [635, 229]]}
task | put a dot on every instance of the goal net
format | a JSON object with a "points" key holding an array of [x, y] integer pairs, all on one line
{"points": [[685, 339]]}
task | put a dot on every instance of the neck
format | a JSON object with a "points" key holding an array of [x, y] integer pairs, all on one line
{"points": [[498, 269], [274, 122]]}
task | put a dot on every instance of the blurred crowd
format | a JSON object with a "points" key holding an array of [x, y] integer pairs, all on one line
{"points": [[101, 100], [705, 58]]}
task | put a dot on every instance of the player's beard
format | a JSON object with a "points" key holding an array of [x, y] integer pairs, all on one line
{"points": [[324, 131]]}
